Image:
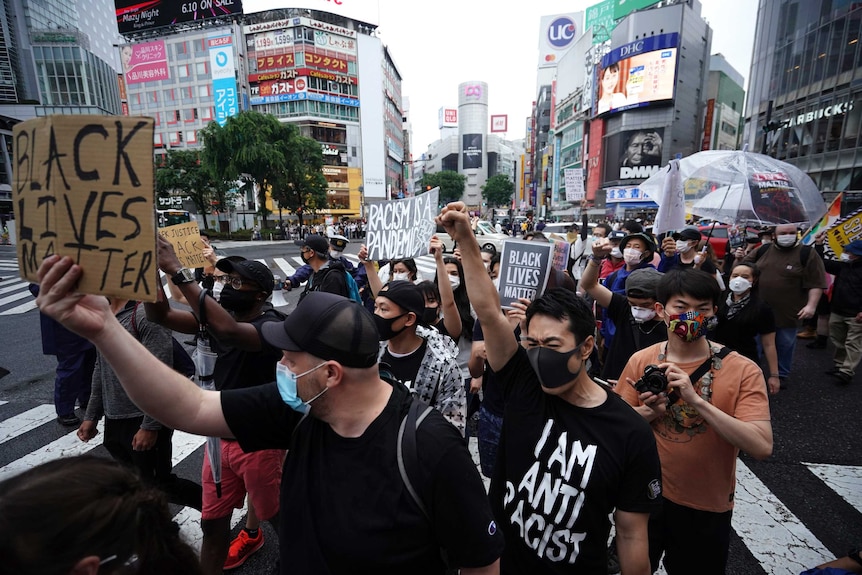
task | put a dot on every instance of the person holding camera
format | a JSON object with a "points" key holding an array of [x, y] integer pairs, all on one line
{"points": [[705, 404]]}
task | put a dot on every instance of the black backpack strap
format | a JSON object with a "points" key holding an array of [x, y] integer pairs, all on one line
{"points": [[407, 452], [695, 376]]}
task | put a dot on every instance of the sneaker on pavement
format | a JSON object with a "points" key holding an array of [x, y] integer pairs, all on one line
{"points": [[843, 378], [242, 548], [807, 333], [69, 420]]}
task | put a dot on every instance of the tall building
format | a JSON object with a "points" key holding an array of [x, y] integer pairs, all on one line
{"points": [[56, 57], [722, 122], [805, 88]]}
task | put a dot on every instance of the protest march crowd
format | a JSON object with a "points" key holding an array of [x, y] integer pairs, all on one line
{"points": [[608, 405]]}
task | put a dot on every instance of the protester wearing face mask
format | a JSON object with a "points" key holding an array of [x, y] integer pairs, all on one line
{"points": [[633, 314], [845, 319], [743, 316], [244, 360], [336, 252], [682, 250], [700, 426], [613, 260], [792, 280], [421, 358]]}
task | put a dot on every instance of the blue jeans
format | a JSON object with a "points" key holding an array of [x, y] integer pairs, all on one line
{"points": [[785, 343]]}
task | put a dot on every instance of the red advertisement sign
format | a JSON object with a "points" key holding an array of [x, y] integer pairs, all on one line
{"points": [[297, 72], [326, 62], [274, 88], [594, 166], [273, 62], [707, 124]]}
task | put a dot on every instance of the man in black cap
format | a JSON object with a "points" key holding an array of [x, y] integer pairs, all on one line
{"points": [[420, 357], [328, 275], [681, 251], [350, 508], [336, 250], [244, 360]]}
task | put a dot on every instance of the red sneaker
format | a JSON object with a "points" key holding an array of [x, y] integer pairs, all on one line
{"points": [[242, 548]]}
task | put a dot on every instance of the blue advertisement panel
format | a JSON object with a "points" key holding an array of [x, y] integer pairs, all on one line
{"points": [[224, 78], [297, 96]]}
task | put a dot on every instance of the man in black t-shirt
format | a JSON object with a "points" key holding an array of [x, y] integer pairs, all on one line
{"points": [[571, 450], [422, 358], [350, 509], [244, 360]]}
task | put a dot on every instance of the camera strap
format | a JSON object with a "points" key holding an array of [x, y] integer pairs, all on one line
{"points": [[695, 376]]}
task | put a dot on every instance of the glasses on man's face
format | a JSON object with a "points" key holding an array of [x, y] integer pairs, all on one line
{"points": [[233, 281]]}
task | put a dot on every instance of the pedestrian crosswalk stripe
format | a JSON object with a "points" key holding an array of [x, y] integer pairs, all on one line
{"points": [[773, 534], [24, 422], [66, 446], [845, 480], [189, 521], [284, 266], [10, 287], [15, 297]]}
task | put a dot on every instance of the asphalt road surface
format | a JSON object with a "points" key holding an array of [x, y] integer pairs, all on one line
{"points": [[795, 509]]}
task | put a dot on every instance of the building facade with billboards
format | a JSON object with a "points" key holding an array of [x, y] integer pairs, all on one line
{"points": [[722, 121], [649, 97], [806, 88]]}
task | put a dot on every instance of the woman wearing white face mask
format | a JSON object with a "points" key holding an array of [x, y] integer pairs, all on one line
{"points": [[742, 316]]}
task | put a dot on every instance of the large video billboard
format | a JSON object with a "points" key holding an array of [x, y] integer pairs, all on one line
{"points": [[138, 15], [633, 155], [471, 151], [637, 74]]}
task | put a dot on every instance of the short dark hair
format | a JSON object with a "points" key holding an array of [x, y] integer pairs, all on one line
{"points": [[688, 281], [495, 260], [633, 227], [606, 227], [535, 235], [562, 304]]}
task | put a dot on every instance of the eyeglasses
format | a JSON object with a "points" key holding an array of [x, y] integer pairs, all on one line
{"points": [[233, 281]]}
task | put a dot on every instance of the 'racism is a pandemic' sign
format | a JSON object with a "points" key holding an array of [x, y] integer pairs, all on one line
{"points": [[401, 228], [83, 187]]}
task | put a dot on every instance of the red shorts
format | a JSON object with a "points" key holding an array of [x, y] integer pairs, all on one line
{"points": [[257, 473]]}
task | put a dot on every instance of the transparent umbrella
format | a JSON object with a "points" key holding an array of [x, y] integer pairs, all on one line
{"points": [[205, 360], [736, 186]]}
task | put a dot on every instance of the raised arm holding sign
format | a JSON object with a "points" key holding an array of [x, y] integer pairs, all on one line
{"points": [[186, 239], [83, 187]]}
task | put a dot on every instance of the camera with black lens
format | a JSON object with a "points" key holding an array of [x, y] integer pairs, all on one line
{"points": [[653, 380]]}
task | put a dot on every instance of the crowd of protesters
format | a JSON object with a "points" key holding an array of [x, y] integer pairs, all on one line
{"points": [[618, 398]]}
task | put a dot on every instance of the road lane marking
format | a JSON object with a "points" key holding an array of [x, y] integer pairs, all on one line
{"points": [[285, 267], [845, 480], [67, 446], [776, 538], [24, 422]]}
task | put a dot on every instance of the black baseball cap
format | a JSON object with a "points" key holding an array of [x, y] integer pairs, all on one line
{"points": [[317, 243], [642, 283], [405, 295], [250, 270], [330, 327], [688, 234], [616, 235]]}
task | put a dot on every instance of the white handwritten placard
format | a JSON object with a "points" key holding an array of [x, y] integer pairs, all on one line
{"points": [[401, 228], [524, 270]]}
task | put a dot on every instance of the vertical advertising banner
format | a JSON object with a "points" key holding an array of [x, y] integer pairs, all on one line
{"points": [[145, 62], [707, 124], [224, 78], [471, 151]]}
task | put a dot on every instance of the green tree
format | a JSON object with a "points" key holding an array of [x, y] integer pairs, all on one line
{"points": [[301, 186], [180, 172], [251, 148], [498, 190], [451, 185]]}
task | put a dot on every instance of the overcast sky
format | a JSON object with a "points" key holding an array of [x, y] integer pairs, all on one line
{"points": [[437, 45]]}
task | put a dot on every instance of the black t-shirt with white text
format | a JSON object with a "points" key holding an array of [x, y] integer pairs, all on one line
{"points": [[561, 469], [344, 507]]}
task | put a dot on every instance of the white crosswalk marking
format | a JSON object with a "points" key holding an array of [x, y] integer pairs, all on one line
{"points": [[24, 422], [846, 481], [285, 267], [67, 446]]}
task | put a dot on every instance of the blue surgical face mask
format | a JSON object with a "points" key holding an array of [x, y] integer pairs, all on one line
{"points": [[286, 381]]}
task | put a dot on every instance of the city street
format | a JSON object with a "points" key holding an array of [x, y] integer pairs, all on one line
{"points": [[794, 510]]}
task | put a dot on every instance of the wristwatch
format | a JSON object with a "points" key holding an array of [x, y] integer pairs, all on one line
{"points": [[183, 276]]}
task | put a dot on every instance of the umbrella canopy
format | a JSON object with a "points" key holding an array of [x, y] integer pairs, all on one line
{"points": [[205, 361], [734, 186]]}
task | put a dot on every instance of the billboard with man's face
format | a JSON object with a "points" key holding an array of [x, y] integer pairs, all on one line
{"points": [[638, 154]]}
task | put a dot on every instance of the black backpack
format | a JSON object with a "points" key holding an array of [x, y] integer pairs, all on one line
{"points": [[182, 361]]}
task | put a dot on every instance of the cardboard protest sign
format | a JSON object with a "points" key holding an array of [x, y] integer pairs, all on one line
{"points": [[561, 254], [83, 187], [186, 239], [524, 270], [401, 228]]}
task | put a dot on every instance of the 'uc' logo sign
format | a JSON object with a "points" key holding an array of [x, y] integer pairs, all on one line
{"points": [[561, 32]]}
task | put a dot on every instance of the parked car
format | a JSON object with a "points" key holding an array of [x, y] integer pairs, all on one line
{"points": [[562, 228], [486, 235], [717, 235]]}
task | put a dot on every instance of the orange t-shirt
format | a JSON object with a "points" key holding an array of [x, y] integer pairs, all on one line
{"points": [[699, 466]]}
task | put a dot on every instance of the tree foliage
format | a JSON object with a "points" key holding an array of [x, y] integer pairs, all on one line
{"points": [[451, 185], [302, 184], [498, 190], [180, 172]]}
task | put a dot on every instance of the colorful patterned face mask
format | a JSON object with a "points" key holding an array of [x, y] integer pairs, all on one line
{"points": [[691, 325]]}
